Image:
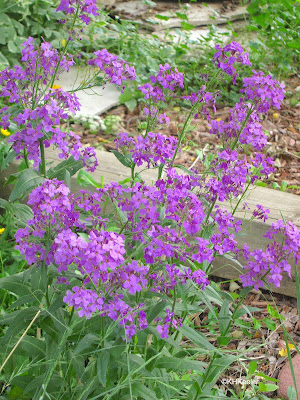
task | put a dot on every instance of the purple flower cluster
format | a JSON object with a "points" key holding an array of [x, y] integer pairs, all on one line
{"points": [[166, 78], [116, 70], [82, 8], [252, 133], [159, 229], [230, 175], [153, 149], [53, 211], [225, 61], [275, 260], [38, 121], [264, 91], [168, 322]]}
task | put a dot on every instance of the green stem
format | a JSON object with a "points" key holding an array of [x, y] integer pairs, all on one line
{"points": [[43, 159], [26, 158], [243, 126]]}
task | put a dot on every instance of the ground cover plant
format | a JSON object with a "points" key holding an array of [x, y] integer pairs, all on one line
{"points": [[105, 282]]}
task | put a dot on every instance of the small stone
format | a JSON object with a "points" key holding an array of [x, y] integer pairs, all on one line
{"points": [[286, 379], [277, 163], [237, 334], [233, 286]]}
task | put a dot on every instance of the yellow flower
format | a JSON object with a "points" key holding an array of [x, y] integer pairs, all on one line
{"points": [[176, 108], [276, 116], [55, 87], [2, 230], [63, 42], [5, 132], [283, 352]]}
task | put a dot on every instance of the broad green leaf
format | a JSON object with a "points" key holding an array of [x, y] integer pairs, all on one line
{"points": [[224, 318], [55, 384], [27, 180], [267, 387], [10, 156], [32, 347], [182, 16], [21, 214], [252, 368], [183, 169], [143, 391], [102, 363], [197, 338], [154, 311], [174, 363], [124, 160], [163, 17], [223, 340], [186, 26], [19, 324], [70, 165], [131, 104], [86, 179], [86, 342], [269, 378], [15, 284]]}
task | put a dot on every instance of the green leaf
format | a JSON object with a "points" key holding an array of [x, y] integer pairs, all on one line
{"points": [[27, 180], [223, 340], [184, 169], [86, 342], [182, 16], [269, 324], [15, 284], [32, 347], [186, 26], [269, 378], [19, 323], [21, 214], [10, 156], [124, 160], [12, 47], [196, 337], [85, 179], [70, 165], [55, 384], [174, 363], [163, 17], [127, 95], [143, 391], [154, 311], [224, 318], [267, 387], [102, 363], [252, 368], [131, 104]]}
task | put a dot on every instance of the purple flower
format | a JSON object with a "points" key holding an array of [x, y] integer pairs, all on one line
{"points": [[276, 259], [116, 70], [153, 149], [85, 8], [236, 55], [264, 91]]}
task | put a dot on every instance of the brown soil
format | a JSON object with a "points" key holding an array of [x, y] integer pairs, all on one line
{"points": [[263, 344]]}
